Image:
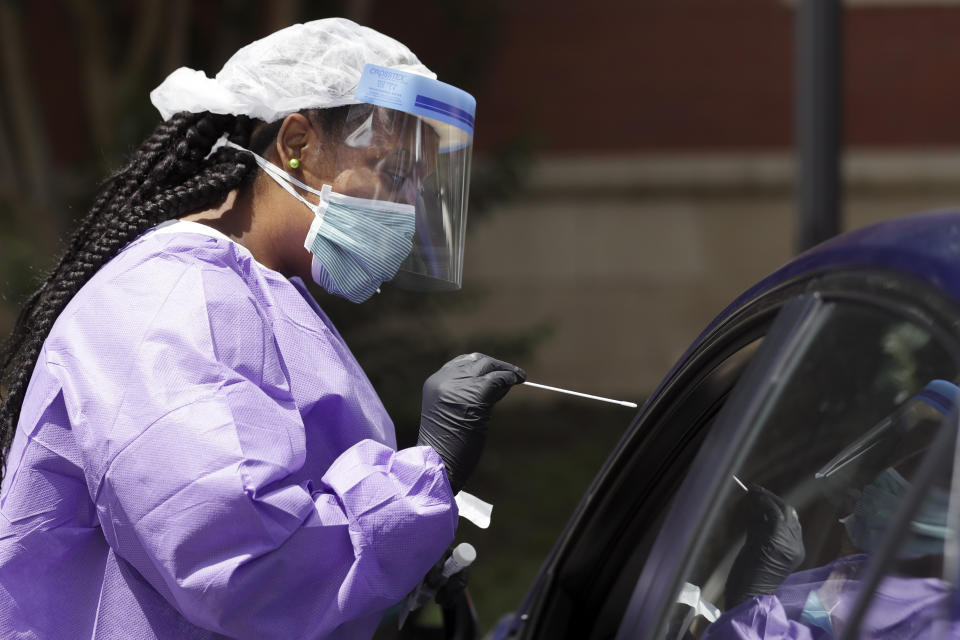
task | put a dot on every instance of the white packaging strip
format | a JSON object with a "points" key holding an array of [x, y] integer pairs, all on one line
{"points": [[690, 596], [474, 509]]}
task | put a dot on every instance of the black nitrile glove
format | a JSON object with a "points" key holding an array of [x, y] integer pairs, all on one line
{"points": [[457, 401], [773, 549], [454, 586], [445, 590]]}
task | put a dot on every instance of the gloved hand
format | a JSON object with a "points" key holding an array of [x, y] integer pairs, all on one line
{"points": [[446, 590], [454, 586], [457, 401], [773, 549]]}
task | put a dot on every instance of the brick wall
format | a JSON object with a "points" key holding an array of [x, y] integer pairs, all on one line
{"points": [[616, 75]]}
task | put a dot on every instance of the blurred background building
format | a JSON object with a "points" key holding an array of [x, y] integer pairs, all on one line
{"points": [[664, 175], [634, 171]]}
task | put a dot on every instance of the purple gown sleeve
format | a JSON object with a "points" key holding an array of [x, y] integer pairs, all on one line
{"points": [[192, 437], [760, 618]]}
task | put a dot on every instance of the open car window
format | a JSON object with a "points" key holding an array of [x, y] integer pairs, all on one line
{"points": [[784, 519]]}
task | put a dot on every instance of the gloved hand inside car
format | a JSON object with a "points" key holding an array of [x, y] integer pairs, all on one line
{"points": [[773, 548], [457, 402]]}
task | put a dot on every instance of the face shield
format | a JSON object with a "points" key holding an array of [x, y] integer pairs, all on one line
{"points": [[899, 439], [409, 141], [877, 468]]}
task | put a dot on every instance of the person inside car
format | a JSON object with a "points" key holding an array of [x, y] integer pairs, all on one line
{"points": [[768, 598]]}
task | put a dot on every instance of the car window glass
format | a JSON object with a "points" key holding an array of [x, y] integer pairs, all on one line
{"points": [[828, 466], [694, 413], [908, 590]]}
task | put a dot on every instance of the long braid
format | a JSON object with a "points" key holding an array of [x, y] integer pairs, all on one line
{"points": [[172, 173], [116, 189]]}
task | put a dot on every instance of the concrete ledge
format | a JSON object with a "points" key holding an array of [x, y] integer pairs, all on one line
{"points": [[738, 172]]}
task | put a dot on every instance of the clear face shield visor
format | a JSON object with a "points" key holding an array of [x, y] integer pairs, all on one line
{"points": [[877, 470], [899, 439], [409, 142]]}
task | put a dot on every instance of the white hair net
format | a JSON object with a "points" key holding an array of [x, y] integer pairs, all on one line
{"points": [[304, 66]]}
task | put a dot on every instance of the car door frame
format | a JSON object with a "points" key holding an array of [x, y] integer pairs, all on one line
{"points": [[703, 365], [730, 440]]}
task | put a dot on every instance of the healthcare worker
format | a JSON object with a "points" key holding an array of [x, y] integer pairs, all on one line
{"points": [[197, 454], [767, 600]]}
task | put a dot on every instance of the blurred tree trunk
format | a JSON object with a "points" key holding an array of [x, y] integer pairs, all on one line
{"points": [[175, 51], [110, 88], [282, 13], [26, 157], [7, 163], [29, 183], [358, 10]]}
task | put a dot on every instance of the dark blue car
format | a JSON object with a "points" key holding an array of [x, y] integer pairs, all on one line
{"points": [[792, 476]]}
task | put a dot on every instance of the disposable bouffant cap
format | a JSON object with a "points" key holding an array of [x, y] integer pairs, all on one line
{"points": [[315, 65]]}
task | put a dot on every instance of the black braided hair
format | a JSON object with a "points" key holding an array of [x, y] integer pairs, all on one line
{"points": [[172, 174]]}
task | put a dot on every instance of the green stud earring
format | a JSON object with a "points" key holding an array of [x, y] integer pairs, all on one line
{"points": [[294, 163]]}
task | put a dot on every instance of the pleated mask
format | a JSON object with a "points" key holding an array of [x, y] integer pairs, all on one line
{"points": [[357, 243], [877, 507]]}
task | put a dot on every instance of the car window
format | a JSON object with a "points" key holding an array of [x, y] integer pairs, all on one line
{"points": [[616, 598], [907, 590], [848, 422], [591, 587]]}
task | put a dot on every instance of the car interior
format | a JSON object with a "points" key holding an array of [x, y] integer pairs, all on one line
{"points": [[852, 388], [853, 371]]}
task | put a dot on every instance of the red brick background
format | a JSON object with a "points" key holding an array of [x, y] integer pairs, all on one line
{"points": [[616, 75]]}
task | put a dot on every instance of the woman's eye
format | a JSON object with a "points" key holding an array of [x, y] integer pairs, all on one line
{"points": [[394, 178], [396, 169]]}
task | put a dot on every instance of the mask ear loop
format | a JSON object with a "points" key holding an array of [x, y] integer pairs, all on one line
{"points": [[284, 179]]}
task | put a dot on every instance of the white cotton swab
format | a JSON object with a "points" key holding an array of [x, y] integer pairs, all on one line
{"points": [[742, 486], [624, 403]]}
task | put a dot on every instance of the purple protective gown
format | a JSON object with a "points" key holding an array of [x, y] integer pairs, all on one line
{"points": [[200, 454], [903, 608]]}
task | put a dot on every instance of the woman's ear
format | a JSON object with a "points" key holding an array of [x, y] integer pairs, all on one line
{"points": [[295, 133]]}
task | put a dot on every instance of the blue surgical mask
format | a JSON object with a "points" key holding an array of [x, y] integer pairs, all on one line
{"points": [[357, 244], [877, 506]]}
